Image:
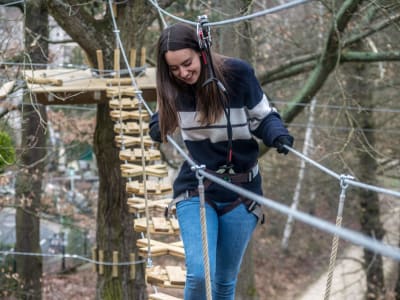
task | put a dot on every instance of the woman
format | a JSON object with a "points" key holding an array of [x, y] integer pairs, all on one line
{"points": [[218, 113]]}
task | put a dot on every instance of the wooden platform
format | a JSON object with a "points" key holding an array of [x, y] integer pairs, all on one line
{"points": [[74, 86], [158, 248]]}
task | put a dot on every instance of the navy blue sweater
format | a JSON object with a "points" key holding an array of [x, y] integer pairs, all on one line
{"points": [[251, 115]]}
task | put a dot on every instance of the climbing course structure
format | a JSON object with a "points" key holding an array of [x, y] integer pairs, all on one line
{"points": [[142, 166], [146, 175]]}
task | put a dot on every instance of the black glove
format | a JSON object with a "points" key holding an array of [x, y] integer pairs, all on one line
{"points": [[282, 140], [155, 133]]}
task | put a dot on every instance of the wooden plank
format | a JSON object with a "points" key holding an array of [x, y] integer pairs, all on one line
{"points": [[132, 170], [174, 249], [136, 154], [140, 225], [156, 188], [174, 224], [117, 115], [158, 276], [176, 275], [6, 89], [131, 128], [79, 84], [161, 224], [100, 62], [44, 81], [138, 205], [154, 250], [124, 103], [131, 141]]}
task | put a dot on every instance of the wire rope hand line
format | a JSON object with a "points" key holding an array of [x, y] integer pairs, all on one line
{"points": [[347, 234], [238, 19], [75, 256], [348, 180]]}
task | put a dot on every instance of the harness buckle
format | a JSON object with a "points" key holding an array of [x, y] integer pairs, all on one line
{"points": [[252, 206]]}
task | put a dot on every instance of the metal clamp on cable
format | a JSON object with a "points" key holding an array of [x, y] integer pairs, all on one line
{"points": [[196, 169], [343, 181], [203, 32]]}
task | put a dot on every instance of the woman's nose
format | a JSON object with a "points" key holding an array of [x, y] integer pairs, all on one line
{"points": [[183, 72]]}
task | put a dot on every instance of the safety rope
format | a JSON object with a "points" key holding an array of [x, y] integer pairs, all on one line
{"points": [[335, 240], [203, 221]]}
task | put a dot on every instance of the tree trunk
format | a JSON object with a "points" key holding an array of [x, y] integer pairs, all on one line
{"points": [[359, 90], [29, 179]]}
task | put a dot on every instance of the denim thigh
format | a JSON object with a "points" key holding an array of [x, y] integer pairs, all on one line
{"points": [[228, 236]]}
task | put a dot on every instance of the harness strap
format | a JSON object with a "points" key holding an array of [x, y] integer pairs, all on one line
{"points": [[236, 178]]}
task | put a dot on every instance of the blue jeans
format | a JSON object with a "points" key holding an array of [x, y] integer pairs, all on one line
{"points": [[228, 236]]}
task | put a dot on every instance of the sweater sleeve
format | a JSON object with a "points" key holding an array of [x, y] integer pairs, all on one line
{"points": [[264, 120]]}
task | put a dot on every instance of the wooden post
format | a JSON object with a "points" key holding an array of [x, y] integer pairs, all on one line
{"points": [[143, 56], [101, 260], [132, 58], [115, 10], [100, 62], [116, 62], [115, 266], [94, 257], [133, 266]]}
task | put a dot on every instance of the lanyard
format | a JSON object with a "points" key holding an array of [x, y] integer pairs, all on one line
{"points": [[204, 38]]}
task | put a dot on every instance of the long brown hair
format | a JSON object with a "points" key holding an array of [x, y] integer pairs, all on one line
{"points": [[210, 101]]}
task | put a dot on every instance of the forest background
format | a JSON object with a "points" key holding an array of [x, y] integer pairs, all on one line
{"points": [[328, 66]]}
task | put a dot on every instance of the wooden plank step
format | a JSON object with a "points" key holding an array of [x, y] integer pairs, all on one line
{"points": [[119, 81], [158, 248], [138, 205], [135, 155], [175, 275], [117, 115], [131, 128], [167, 227], [159, 276], [154, 188], [132, 141], [44, 80], [124, 103], [132, 170], [162, 296], [6, 89], [121, 91]]}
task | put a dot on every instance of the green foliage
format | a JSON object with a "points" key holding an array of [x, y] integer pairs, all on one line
{"points": [[7, 151]]}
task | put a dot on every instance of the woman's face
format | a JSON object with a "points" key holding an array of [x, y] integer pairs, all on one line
{"points": [[184, 64]]}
